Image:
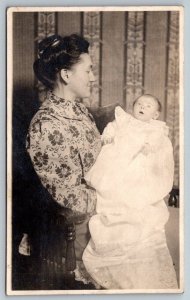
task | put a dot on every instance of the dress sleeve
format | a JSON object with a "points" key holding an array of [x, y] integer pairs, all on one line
{"points": [[56, 160]]}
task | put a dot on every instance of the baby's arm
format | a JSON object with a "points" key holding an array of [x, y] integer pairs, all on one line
{"points": [[121, 120], [154, 142]]}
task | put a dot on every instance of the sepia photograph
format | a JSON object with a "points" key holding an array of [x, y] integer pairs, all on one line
{"points": [[95, 150]]}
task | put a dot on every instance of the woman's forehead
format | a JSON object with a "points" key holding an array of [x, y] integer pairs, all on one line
{"points": [[84, 63], [85, 59]]}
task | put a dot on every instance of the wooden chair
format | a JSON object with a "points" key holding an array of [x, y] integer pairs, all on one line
{"points": [[53, 260], [174, 197]]}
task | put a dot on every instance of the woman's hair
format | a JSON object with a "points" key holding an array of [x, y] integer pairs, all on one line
{"points": [[153, 97], [56, 53]]}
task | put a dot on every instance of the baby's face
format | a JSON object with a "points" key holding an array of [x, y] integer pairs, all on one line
{"points": [[145, 109]]}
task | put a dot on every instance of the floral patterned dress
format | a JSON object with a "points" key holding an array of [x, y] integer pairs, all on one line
{"points": [[63, 143]]}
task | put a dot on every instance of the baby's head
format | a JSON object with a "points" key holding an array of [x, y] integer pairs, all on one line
{"points": [[146, 107]]}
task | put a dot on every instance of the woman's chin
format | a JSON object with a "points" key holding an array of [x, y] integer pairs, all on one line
{"points": [[86, 96]]}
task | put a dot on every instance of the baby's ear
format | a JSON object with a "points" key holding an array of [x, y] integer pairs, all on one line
{"points": [[156, 115]]}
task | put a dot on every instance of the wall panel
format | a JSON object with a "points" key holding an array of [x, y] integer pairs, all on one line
{"points": [[112, 57], [134, 57], [172, 88], [92, 30], [46, 26], [155, 55], [132, 53], [69, 22], [23, 50]]}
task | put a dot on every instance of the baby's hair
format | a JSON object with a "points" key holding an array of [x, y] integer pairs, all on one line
{"points": [[153, 97]]}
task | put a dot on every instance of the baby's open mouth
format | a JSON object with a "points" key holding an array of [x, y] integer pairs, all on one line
{"points": [[141, 112]]}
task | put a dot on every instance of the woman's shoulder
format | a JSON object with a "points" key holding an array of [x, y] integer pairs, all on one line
{"points": [[45, 114], [46, 119]]}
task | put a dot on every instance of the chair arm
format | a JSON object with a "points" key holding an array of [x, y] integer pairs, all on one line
{"points": [[66, 218], [71, 216]]}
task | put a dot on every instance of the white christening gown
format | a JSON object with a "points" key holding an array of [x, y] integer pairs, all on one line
{"points": [[128, 249]]}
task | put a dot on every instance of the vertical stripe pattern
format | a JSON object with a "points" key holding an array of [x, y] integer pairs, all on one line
{"points": [[112, 57], [92, 32], [135, 52], [23, 50], [46, 26], [172, 88], [155, 55]]}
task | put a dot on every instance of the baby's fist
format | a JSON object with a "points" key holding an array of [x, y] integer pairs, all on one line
{"points": [[146, 149]]}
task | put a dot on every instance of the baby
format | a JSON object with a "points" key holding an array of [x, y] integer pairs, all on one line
{"points": [[145, 108], [132, 175]]}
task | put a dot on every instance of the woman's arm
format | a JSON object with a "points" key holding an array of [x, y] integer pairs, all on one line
{"points": [[56, 160]]}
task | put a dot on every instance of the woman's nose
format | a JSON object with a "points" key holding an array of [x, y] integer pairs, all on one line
{"points": [[92, 77]]}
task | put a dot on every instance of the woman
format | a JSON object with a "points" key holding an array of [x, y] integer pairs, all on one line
{"points": [[63, 141]]}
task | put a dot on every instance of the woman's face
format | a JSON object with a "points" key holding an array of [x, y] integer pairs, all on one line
{"points": [[81, 77]]}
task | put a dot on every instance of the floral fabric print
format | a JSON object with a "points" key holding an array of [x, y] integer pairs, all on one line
{"points": [[63, 143]]}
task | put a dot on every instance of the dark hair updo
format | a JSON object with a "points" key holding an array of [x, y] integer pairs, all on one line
{"points": [[56, 53]]}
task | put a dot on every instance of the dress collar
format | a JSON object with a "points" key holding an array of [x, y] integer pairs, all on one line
{"points": [[67, 108]]}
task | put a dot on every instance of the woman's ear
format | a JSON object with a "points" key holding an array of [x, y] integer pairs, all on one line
{"points": [[65, 75]]}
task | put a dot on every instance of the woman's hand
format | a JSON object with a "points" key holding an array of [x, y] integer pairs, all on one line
{"points": [[107, 140]]}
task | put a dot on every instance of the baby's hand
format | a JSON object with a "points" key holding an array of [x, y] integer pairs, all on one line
{"points": [[146, 149]]}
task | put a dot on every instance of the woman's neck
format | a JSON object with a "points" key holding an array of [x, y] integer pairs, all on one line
{"points": [[63, 92]]}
